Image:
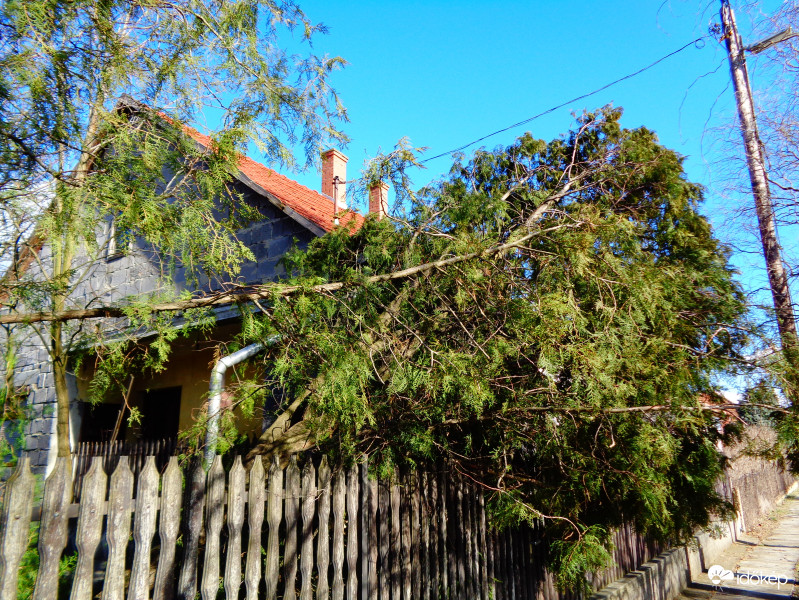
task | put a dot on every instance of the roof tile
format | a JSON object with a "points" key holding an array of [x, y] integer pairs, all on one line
{"points": [[314, 206]]}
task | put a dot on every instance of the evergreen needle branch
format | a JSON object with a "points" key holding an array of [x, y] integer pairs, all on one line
{"points": [[622, 410]]}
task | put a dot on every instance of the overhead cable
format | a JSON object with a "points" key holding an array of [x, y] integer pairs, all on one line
{"points": [[695, 42]]}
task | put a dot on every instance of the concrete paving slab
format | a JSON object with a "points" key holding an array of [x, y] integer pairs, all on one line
{"points": [[756, 566]]}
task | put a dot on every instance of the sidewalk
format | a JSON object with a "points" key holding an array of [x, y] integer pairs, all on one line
{"points": [[759, 565]]}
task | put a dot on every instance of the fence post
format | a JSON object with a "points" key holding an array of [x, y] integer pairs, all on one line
{"points": [[195, 503], [168, 527], [235, 522], [53, 531], [385, 566], [275, 515], [424, 542], [323, 541], [144, 530], [214, 506], [308, 514], [339, 495], [364, 529], [15, 526], [119, 505], [255, 519], [372, 538], [352, 533], [291, 510], [90, 528]]}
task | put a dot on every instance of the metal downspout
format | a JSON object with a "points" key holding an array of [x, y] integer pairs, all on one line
{"points": [[216, 387]]}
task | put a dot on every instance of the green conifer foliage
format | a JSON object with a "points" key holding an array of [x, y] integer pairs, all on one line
{"points": [[557, 352]]}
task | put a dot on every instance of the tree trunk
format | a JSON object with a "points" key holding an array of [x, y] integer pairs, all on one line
{"points": [[59, 359], [778, 280]]}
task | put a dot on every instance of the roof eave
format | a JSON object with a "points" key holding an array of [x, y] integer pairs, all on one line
{"points": [[290, 212]]}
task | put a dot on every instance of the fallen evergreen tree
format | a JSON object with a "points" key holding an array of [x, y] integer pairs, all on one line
{"points": [[548, 321]]}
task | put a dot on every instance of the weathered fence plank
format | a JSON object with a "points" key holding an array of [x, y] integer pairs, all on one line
{"points": [[507, 578], [168, 527], [384, 503], [458, 525], [534, 573], [509, 558], [470, 556], [363, 558], [484, 544], [405, 535], [235, 522], [396, 549], [323, 540], [372, 536], [413, 496], [339, 496], [518, 550], [549, 588], [119, 507], [424, 540], [90, 529], [513, 567], [53, 532], [363, 529], [521, 539], [502, 562], [435, 524], [195, 505], [214, 513], [255, 520], [477, 547], [306, 544], [352, 533], [291, 510], [499, 584], [550, 581], [15, 526], [443, 533], [144, 530], [274, 517]]}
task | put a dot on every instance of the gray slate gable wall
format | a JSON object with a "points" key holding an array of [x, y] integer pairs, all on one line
{"points": [[133, 274]]}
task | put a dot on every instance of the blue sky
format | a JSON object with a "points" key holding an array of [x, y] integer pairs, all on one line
{"points": [[444, 73]]}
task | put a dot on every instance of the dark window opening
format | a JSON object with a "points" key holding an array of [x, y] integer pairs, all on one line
{"points": [[98, 421], [160, 413]]}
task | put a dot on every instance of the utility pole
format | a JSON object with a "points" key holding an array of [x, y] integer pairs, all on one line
{"points": [[777, 277]]}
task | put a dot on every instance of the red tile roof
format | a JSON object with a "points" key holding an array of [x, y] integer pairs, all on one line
{"points": [[316, 207]]}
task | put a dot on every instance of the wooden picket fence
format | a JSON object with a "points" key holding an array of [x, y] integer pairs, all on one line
{"points": [[137, 452], [309, 532]]}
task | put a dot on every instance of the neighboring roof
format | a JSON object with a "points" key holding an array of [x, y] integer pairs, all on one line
{"points": [[294, 199]]}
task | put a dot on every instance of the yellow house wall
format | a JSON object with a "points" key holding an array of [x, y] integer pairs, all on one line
{"points": [[189, 367]]}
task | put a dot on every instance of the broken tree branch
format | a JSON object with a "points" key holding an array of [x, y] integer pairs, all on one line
{"points": [[268, 290]]}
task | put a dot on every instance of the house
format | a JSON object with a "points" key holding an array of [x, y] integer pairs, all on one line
{"points": [[292, 214]]}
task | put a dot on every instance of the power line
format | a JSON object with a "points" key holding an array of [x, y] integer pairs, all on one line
{"points": [[559, 106]]}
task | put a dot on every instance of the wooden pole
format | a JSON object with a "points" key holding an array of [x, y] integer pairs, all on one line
{"points": [[753, 146]]}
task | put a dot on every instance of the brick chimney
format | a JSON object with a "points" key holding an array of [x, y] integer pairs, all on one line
{"points": [[334, 165], [378, 199]]}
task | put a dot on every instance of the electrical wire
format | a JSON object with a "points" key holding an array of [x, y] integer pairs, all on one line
{"points": [[575, 99]]}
